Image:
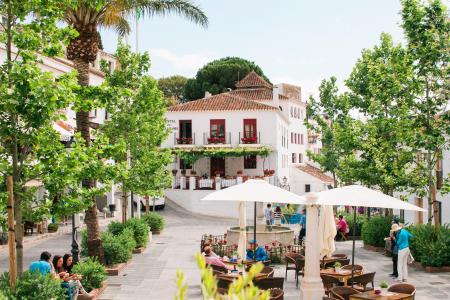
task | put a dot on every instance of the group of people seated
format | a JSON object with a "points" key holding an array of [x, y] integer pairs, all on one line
{"points": [[254, 253], [61, 268]]}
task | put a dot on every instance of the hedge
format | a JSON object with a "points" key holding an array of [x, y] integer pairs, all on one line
{"points": [[429, 246], [375, 230], [155, 221]]}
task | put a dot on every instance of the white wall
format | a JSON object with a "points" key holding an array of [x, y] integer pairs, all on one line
{"points": [[300, 179]]}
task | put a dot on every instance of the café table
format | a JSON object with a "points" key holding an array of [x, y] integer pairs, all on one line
{"points": [[385, 296], [342, 275]]}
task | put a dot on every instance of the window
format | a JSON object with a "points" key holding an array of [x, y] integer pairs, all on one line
{"points": [[107, 116], [249, 128], [217, 128], [294, 158], [184, 165], [250, 162], [307, 188], [292, 112], [300, 158], [185, 129], [93, 113], [301, 139], [4, 21], [292, 137]]}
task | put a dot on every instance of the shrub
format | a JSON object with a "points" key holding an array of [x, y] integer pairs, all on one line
{"points": [[32, 285], [52, 227], [360, 219], [375, 230], [429, 246], [93, 273], [155, 221], [115, 227], [118, 249], [140, 231]]}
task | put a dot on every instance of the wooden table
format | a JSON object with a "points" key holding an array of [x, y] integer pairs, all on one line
{"points": [[388, 296], [342, 275]]}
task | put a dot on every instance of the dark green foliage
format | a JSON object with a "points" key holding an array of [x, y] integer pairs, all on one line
{"points": [[140, 230], [429, 246], [53, 227], [360, 219], [93, 273], [155, 221], [218, 76], [115, 227], [375, 230], [118, 249], [32, 286]]}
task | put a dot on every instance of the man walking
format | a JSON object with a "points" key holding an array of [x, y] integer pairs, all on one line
{"points": [[268, 214]]}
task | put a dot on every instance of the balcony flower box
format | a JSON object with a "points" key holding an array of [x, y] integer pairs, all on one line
{"points": [[268, 172], [250, 140], [216, 140], [193, 173], [184, 141]]}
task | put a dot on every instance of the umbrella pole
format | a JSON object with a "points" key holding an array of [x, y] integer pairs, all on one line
{"points": [[353, 243], [254, 222]]}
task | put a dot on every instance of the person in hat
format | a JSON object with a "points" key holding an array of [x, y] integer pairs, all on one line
{"points": [[394, 248], [256, 252]]}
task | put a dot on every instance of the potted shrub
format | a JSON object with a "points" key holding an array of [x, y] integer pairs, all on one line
{"points": [[52, 227], [337, 266], [155, 222], [93, 273], [383, 287]]}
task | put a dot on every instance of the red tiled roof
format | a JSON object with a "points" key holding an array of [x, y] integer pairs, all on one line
{"points": [[220, 102], [253, 80], [315, 172], [256, 94]]}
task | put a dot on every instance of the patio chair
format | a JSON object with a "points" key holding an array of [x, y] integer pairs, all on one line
{"points": [[343, 292], [276, 294], [357, 268], [291, 264], [218, 268], [217, 273], [327, 298], [268, 271], [340, 255], [269, 283], [360, 282], [404, 288], [224, 281], [300, 271], [329, 282]]}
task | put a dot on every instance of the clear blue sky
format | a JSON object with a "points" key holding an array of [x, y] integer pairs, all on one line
{"points": [[295, 41]]}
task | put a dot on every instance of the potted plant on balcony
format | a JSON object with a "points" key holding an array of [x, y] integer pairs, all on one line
{"points": [[174, 172], [183, 172], [193, 173], [239, 172], [217, 172], [268, 172]]}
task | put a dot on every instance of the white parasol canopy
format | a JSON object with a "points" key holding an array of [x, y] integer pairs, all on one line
{"points": [[356, 195], [256, 190], [327, 231], [242, 245]]}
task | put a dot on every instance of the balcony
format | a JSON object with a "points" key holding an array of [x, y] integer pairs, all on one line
{"points": [[217, 140], [247, 139], [180, 141]]}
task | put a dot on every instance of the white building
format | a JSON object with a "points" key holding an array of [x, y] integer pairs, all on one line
{"points": [[248, 122]]}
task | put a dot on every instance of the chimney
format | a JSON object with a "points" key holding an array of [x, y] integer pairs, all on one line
{"points": [[207, 94], [276, 96]]}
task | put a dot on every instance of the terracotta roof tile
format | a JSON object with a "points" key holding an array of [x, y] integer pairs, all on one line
{"points": [[315, 172], [221, 102], [257, 94], [253, 80]]}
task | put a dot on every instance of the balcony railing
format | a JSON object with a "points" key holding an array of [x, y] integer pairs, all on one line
{"points": [[209, 139], [184, 140], [245, 139]]}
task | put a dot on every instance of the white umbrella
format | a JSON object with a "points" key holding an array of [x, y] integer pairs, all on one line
{"points": [[242, 245], [327, 231]]}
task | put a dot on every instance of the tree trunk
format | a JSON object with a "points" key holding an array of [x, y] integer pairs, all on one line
{"points": [[94, 243], [147, 204], [124, 205], [435, 207]]}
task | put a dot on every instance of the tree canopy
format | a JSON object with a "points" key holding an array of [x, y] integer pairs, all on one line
{"points": [[218, 76], [173, 88]]}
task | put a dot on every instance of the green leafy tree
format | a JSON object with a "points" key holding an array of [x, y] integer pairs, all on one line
{"points": [[86, 16], [29, 97], [382, 88], [173, 88], [218, 76], [329, 118], [138, 125], [426, 27]]}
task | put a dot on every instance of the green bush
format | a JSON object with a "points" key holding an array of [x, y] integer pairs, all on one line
{"points": [[118, 249], [115, 227], [360, 219], [93, 273], [375, 230], [83, 243], [32, 285], [140, 231], [52, 227], [155, 221], [429, 246]]}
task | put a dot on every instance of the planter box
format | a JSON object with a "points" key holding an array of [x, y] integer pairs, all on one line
{"points": [[357, 238], [138, 250], [94, 294], [373, 248], [430, 269], [156, 232], [115, 270]]}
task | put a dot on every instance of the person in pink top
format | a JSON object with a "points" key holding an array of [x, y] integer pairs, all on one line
{"points": [[213, 260], [341, 228]]}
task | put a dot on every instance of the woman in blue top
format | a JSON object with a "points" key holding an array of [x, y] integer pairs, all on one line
{"points": [[403, 237]]}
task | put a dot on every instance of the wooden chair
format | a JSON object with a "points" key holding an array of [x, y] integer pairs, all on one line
{"points": [[329, 282], [224, 281], [269, 283], [276, 294], [340, 255], [327, 298], [343, 292], [404, 288], [268, 271], [361, 282], [218, 268], [300, 271], [357, 268], [291, 263], [217, 273]]}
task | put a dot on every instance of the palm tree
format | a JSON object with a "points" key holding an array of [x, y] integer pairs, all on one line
{"points": [[87, 17]]}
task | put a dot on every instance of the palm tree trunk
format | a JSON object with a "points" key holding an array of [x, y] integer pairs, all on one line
{"points": [[94, 243]]}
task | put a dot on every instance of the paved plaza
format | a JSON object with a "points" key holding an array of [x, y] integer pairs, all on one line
{"points": [[151, 275]]}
